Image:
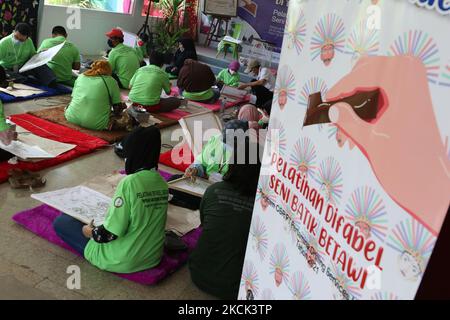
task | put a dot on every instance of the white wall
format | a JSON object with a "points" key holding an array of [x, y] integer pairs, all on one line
{"points": [[90, 38]]}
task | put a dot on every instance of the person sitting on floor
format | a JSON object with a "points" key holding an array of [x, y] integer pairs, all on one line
{"points": [[16, 49], [133, 234], [94, 93], [230, 76], [195, 81], [66, 60], [186, 50], [147, 84], [123, 59], [212, 162], [7, 134], [225, 213], [264, 84]]}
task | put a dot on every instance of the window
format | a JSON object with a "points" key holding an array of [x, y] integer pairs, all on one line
{"points": [[155, 10], [117, 6]]}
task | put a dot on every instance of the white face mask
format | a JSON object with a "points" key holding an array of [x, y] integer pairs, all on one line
{"points": [[232, 72], [16, 41]]}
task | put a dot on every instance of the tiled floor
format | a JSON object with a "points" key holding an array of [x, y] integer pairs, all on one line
{"points": [[31, 268]]}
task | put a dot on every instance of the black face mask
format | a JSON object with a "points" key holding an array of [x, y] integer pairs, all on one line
{"points": [[110, 43]]}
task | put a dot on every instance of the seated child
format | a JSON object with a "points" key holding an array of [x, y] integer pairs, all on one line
{"points": [[132, 237], [230, 76]]}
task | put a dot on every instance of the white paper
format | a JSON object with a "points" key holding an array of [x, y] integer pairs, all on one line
{"points": [[41, 58], [21, 90], [80, 202], [197, 187], [232, 40], [129, 39], [25, 151]]}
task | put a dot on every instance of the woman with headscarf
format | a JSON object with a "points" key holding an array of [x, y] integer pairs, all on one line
{"points": [[225, 213], [132, 236], [93, 95], [186, 50]]}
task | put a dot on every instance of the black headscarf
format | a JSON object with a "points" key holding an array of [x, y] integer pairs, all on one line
{"points": [[231, 126], [188, 53], [142, 148]]}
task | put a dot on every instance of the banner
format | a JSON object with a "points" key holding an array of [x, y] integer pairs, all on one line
{"points": [[356, 178]]}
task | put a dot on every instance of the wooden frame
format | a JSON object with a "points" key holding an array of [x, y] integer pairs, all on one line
{"points": [[216, 8], [173, 185], [186, 124]]}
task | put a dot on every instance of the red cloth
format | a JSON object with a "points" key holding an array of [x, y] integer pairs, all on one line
{"points": [[217, 105], [85, 143], [166, 158]]}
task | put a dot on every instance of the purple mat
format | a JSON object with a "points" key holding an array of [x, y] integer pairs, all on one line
{"points": [[39, 221]]}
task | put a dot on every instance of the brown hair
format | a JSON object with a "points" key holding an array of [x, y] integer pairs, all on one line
{"points": [[99, 68]]}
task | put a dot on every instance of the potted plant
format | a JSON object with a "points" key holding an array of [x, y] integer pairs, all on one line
{"points": [[169, 29]]}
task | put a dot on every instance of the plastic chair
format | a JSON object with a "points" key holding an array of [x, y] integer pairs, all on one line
{"points": [[231, 42]]}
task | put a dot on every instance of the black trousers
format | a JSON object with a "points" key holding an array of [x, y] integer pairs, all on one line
{"points": [[262, 94]]}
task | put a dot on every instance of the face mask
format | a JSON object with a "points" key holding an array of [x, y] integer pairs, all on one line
{"points": [[16, 41], [110, 43], [181, 49], [232, 72]]}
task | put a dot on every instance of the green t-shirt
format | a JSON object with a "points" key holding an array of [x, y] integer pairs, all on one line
{"points": [[216, 263], [229, 79], [90, 107], [199, 96], [15, 54], [3, 125], [141, 51], [124, 62], [137, 216], [147, 84], [214, 157], [62, 62]]}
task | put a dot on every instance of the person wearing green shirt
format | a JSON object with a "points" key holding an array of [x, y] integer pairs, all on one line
{"points": [[226, 213], [147, 84], [7, 134], [92, 96], [141, 48], [230, 76], [132, 237], [123, 59], [16, 49], [213, 162], [66, 60]]}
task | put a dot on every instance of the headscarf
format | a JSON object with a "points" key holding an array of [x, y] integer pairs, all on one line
{"points": [[189, 46], [142, 148], [234, 65], [231, 127], [250, 114], [99, 68]]}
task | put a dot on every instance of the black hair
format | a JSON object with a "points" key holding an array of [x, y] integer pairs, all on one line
{"points": [[120, 39], [156, 58], [60, 30], [144, 37], [244, 176], [24, 29], [142, 148], [189, 46], [267, 106]]}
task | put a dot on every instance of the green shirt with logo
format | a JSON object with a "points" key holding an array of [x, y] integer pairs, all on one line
{"points": [[90, 107], [62, 62], [124, 62], [12, 54], [137, 216], [147, 85]]}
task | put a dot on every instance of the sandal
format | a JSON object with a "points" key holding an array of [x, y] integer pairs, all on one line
{"points": [[24, 179]]}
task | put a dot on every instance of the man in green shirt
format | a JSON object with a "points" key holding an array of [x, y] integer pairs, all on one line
{"points": [[16, 49], [66, 60], [123, 59], [147, 84]]}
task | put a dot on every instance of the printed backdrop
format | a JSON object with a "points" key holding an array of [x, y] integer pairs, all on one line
{"points": [[350, 208]]}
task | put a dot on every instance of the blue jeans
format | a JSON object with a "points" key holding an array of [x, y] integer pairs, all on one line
{"points": [[70, 231]]}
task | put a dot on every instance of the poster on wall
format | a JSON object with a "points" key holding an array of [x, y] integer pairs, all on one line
{"points": [[356, 178]]}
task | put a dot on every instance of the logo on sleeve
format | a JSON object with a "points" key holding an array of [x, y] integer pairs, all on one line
{"points": [[118, 202]]}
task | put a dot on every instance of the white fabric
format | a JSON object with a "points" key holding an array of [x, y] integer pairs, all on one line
{"points": [[264, 73]]}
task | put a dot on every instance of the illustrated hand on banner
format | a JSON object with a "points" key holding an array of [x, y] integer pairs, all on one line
{"points": [[416, 174]]}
